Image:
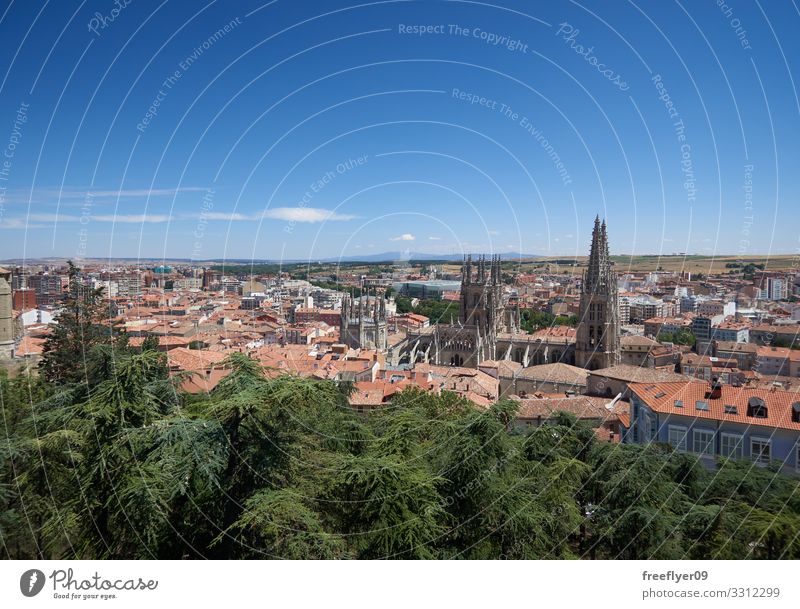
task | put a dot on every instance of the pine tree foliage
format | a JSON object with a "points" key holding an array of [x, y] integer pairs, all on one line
{"points": [[119, 463]]}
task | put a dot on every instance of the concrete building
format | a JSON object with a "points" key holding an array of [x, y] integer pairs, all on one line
{"points": [[715, 308], [777, 288], [129, 285], [701, 328], [49, 290], [773, 361], [24, 299], [426, 289], [731, 332]]}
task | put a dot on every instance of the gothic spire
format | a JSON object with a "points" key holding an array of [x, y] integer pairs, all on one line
{"points": [[598, 273]]}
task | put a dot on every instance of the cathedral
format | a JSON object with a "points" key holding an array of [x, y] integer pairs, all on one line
{"points": [[484, 320], [488, 326], [363, 322]]}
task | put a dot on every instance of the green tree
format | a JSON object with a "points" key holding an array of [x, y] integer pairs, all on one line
{"points": [[73, 351]]}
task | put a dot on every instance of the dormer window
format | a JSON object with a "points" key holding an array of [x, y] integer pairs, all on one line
{"points": [[756, 408]]}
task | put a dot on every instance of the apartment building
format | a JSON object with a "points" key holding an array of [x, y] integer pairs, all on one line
{"points": [[713, 420]]}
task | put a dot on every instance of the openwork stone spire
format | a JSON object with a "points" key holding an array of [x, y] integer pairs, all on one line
{"points": [[597, 340], [598, 278]]}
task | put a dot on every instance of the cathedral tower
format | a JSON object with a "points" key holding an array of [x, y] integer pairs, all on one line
{"points": [[597, 341]]}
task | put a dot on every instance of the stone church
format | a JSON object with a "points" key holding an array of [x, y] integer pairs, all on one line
{"points": [[363, 322], [488, 327]]}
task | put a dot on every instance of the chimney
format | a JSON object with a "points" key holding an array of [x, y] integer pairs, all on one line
{"points": [[715, 391]]}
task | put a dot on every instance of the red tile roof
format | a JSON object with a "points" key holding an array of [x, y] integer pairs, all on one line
{"points": [[661, 398]]}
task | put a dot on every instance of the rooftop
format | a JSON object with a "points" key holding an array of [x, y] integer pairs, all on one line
{"points": [[662, 398], [638, 374], [554, 373]]}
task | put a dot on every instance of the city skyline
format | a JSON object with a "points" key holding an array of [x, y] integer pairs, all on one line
{"points": [[311, 131]]}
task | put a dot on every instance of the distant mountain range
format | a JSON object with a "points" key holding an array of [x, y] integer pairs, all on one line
{"points": [[370, 258], [404, 256]]}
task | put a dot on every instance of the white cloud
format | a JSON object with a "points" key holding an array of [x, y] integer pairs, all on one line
{"points": [[132, 219], [52, 195], [494, 233], [35, 220], [435, 238], [227, 217], [16, 223], [140, 192], [404, 237], [304, 214], [52, 218]]}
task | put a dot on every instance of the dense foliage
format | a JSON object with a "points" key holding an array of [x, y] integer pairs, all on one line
{"points": [[438, 311], [537, 320], [682, 337], [282, 467]]}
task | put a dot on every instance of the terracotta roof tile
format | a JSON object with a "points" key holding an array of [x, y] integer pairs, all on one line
{"points": [[662, 397]]}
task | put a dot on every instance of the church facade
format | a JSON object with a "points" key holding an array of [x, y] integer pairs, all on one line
{"points": [[488, 327], [363, 322]]}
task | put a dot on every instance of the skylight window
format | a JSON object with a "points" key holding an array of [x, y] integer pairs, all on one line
{"points": [[678, 403], [660, 394], [731, 409], [701, 405]]}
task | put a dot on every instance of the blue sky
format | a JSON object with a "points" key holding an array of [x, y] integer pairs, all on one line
{"points": [[309, 129]]}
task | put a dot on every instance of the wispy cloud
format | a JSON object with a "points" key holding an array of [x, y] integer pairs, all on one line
{"points": [[287, 214], [225, 216], [141, 192], [304, 214], [48, 220], [133, 218], [435, 238], [18, 223], [53, 195], [52, 218], [404, 237]]}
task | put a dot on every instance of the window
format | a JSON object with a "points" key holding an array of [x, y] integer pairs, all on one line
{"points": [[677, 437], [678, 403], [703, 442], [756, 408], [797, 457], [730, 409], [760, 450], [701, 405], [731, 446]]}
